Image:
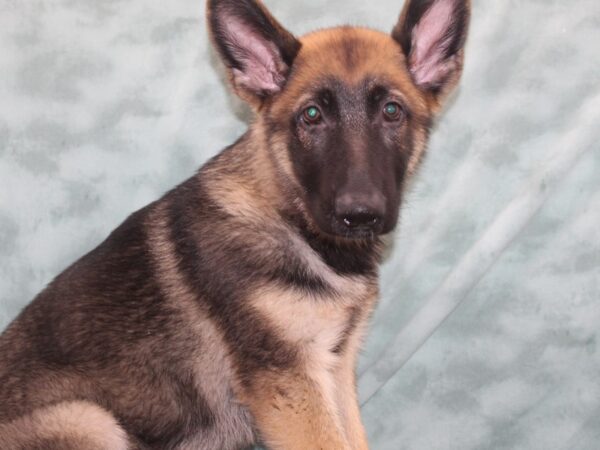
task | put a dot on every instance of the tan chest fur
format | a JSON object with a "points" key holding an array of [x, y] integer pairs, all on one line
{"points": [[315, 325], [327, 331]]}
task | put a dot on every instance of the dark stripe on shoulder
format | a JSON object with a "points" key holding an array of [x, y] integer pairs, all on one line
{"points": [[296, 276], [221, 273]]}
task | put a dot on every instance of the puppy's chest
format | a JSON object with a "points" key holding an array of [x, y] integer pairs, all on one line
{"points": [[318, 326]]}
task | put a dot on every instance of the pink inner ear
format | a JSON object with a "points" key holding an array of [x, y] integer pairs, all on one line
{"points": [[430, 38], [262, 65]]}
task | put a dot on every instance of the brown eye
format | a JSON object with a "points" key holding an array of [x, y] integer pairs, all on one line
{"points": [[392, 111], [312, 115]]}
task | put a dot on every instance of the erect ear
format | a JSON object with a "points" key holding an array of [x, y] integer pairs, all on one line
{"points": [[257, 51], [432, 34]]}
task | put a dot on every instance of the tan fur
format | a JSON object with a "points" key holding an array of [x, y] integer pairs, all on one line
{"points": [[74, 425], [239, 192], [345, 380], [418, 152], [293, 414], [349, 54], [316, 327], [315, 406]]}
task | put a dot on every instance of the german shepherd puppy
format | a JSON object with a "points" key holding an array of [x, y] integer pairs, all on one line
{"points": [[230, 312]]}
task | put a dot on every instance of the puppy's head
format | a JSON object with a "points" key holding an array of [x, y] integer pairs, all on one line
{"points": [[346, 111]]}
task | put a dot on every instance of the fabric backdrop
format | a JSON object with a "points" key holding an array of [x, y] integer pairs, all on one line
{"points": [[487, 333]]}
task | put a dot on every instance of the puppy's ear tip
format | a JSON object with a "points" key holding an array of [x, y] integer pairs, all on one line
{"points": [[256, 49], [432, 34]]}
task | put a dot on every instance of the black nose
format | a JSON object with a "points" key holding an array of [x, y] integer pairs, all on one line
{"points": [[363, 211]]}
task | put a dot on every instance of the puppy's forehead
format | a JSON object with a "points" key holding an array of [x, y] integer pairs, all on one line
{"points": [[351, 57]]}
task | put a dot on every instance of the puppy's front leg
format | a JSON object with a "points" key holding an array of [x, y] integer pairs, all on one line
{"points": [[355, 431], [345, 379], [291, 413]]}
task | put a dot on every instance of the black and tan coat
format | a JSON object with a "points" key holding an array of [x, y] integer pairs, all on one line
{"points": [[231, 311]]}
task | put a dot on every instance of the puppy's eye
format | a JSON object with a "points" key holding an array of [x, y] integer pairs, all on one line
{"points": [[392, 111], [312, 115]]}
